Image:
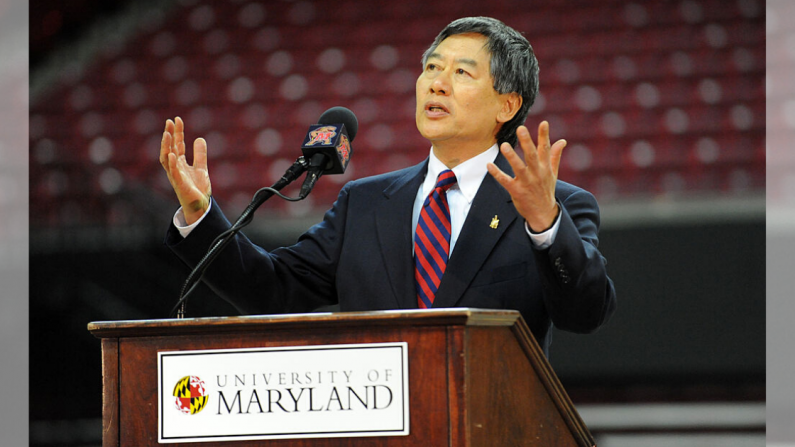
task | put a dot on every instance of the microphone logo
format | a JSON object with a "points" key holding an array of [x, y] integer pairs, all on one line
{"points": [[322, 135], [344, 150]]}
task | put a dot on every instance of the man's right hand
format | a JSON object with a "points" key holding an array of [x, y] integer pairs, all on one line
{"points": [[191, 183]]}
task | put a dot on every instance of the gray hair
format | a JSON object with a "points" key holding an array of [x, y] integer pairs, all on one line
{"points": [[513, 64]]}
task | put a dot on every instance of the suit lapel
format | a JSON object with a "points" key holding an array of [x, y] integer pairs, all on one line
{"points": [[393, 226], [477, 238]]}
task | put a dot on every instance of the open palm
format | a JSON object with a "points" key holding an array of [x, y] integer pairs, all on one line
{"points": [[191, 183]]}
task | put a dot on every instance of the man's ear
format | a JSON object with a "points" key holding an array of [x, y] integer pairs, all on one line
{"points": [[511, 103]]}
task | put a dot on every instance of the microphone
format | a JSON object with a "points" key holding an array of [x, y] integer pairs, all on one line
{"points": [[327, 145]]}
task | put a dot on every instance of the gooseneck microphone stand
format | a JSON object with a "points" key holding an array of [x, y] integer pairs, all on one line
{"points": [[262, 195]]}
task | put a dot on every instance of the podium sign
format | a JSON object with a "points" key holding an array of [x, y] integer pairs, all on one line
{"points": [[322, 391]]}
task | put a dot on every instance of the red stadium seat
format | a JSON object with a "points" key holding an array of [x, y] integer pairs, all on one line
{"points": [[658, 97]]}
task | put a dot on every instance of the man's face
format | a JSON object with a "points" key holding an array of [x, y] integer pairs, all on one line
{"points": [[457, 105]]}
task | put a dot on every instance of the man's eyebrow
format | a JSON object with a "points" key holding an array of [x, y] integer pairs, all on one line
{"points": [[462, 60]]}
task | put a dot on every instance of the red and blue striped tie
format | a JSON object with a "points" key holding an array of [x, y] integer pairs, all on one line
{"points": [[432, 240]]}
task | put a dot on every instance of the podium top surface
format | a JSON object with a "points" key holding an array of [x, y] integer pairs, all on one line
{"points": [[425, 317]]}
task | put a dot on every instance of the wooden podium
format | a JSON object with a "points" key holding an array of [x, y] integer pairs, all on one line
{"points": [[475, 377]]}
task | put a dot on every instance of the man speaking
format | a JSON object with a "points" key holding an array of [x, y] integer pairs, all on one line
{"points": [[473, 225]]}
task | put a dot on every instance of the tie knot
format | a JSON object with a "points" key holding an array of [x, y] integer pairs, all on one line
{"points": [[445, 180]]}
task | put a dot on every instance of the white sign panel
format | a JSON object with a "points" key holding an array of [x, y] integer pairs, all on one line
{"points": [[288, 392]]}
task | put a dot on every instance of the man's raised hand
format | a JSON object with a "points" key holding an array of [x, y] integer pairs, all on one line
{"points": [[191, 183], [533, 187]]}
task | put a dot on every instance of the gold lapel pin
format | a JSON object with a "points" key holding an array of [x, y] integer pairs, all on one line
{"points": [[494, 222]]}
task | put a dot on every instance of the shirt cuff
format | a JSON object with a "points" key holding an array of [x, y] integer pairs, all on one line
{"points": [[182, 226], [546, 238]]}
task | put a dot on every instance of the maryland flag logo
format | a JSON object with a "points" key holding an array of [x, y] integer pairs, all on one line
{"points": [[322, 135], [190, 395]]}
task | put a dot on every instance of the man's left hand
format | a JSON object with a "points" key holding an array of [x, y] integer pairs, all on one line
{"points": [[533, 187]]}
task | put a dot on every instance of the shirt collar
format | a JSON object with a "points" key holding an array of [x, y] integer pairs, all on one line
{"points": [[469, 174]]}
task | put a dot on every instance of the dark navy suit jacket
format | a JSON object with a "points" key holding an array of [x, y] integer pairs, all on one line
{"points": [[360, 256]]}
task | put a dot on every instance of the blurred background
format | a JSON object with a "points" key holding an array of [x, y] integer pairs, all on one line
{"points": [[663, 104]]}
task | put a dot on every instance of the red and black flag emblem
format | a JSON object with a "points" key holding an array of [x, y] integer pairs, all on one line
{"points": [[190, 395]]}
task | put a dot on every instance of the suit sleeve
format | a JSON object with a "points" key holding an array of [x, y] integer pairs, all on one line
{"points": [[578, 294], [299, 278]]}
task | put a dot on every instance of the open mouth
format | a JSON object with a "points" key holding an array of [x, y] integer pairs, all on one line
{"points": [[436, 108]]}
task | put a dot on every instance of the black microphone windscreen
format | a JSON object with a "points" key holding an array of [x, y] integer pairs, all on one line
{"points": [[342, 115]]}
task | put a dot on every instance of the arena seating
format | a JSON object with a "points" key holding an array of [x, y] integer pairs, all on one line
{"points": [[656, 98]]}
